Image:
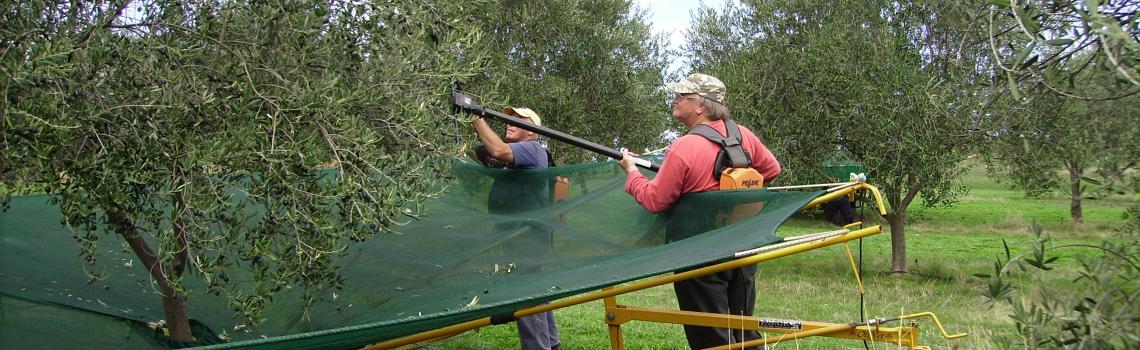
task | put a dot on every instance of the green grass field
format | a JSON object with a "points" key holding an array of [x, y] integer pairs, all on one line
{"points": [[945, 247]]}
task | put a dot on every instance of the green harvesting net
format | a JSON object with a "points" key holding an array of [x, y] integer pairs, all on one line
{"points": [[496, 241]]}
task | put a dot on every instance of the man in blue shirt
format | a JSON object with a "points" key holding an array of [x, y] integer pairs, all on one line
{"points": [[521, 150]]}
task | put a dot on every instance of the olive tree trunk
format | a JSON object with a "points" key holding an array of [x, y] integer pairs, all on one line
{"points": [[173, 301]]}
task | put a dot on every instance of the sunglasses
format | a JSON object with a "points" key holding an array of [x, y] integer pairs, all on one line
{"points": [[679, 97]]}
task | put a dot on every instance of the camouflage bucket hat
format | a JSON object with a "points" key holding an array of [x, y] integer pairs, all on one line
{"points": [[700, 84]]}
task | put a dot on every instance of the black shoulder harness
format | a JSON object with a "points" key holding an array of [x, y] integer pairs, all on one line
{"points": [[732, 154]]}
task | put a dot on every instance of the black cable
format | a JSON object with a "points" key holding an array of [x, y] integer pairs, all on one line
{"points": [[862, 220]]}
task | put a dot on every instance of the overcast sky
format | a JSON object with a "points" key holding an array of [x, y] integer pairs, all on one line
{"points": [[672, 17]]}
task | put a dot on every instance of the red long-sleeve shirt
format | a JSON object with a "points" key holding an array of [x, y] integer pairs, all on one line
{"points": [[688, 167]]}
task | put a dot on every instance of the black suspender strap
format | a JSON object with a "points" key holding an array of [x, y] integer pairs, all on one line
{"points": [[732, 154]]}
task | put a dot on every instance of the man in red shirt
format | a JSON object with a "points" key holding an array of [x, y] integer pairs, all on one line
{"points": [[688, 167]]}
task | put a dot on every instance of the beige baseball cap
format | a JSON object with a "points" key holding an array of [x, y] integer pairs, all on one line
{"points": [[700, 84], [524, 112]]}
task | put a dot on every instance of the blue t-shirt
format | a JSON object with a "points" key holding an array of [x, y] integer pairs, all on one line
{"points": [[511, 193], [529, 155]]}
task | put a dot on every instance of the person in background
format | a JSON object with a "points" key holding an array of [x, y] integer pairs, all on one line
{"points": [[688, 167], [520, 149]]}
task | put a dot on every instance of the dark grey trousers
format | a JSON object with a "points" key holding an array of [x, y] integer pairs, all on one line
{"points": [[538, 332], [727, 292]]}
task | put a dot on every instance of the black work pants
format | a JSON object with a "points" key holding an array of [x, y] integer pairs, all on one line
{"points": [[731, 292]]}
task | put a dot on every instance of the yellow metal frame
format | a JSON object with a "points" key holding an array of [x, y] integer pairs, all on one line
{"points": [[632, 287], [619, 314], [903, 336]]}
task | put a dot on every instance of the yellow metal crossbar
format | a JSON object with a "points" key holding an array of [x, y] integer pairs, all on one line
{"points": [[619, 314], [906, 336], [903, 336]]}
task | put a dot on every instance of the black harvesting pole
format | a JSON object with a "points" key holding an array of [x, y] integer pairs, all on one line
{"points": [[463, 102]]}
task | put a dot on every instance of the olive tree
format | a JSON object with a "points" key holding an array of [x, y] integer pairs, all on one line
{"points": [[222, 135], [1053, 43], [591, 68], [899, 85], [1070, 70], [1091, 142]]}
